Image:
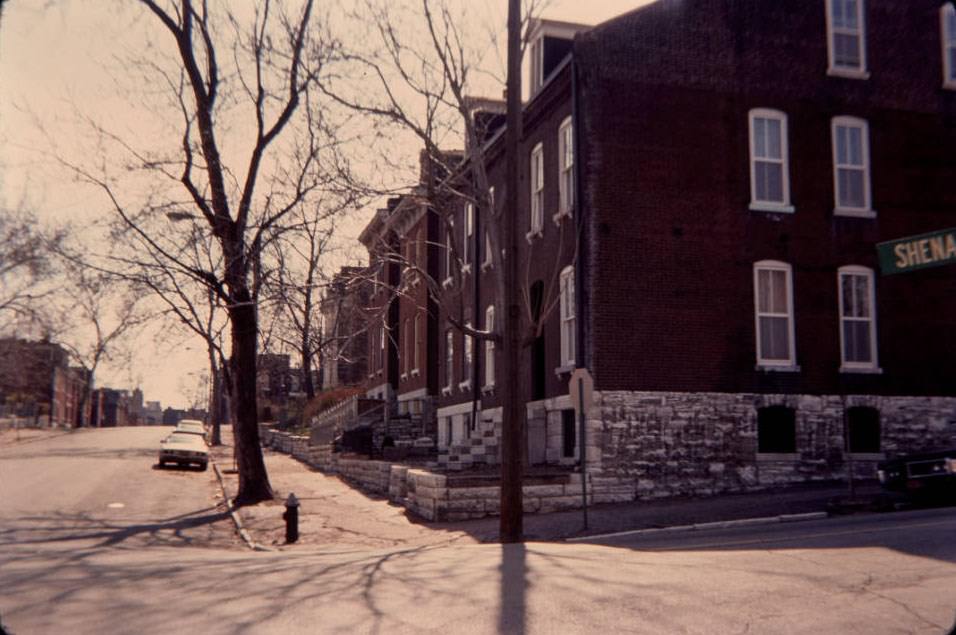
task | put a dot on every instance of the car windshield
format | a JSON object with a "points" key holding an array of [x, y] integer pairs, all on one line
{"points": [[179, 438]]}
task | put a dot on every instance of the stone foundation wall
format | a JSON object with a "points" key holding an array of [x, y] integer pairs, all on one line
{"points": [[672, 444]]}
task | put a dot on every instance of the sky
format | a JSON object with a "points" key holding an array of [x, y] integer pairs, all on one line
{"points": [[61, 59]]}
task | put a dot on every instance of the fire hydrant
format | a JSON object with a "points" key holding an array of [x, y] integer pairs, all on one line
{"points": [[291, 518]]}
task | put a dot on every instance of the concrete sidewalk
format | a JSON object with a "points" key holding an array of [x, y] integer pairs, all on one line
{"points": [[334, 514]]}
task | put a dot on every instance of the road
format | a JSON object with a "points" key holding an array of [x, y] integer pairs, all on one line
{"points": [[70, 563]]}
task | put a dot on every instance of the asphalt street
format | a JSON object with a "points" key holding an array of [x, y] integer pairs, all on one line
{"points": [[71, 563]]}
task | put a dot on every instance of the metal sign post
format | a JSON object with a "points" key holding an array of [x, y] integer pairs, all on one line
{"points": [[581, 389]]}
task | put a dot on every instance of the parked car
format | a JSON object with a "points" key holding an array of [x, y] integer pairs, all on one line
{"points": [[191, 426], [183, 448], [920, 475]]}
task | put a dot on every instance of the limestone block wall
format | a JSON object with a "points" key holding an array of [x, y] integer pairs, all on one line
{"points": [[671, 444], [372, 476]]}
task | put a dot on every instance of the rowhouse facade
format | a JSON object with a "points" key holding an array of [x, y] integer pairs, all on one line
{"points": [[704, 184]]}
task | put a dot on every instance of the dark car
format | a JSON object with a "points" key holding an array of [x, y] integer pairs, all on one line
{"points": [[922, 474]]}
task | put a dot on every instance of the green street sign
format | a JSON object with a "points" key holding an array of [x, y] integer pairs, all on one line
{"points": [[934, 249]]}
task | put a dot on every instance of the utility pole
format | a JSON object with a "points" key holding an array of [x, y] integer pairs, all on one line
{"points": [[512, 422]]}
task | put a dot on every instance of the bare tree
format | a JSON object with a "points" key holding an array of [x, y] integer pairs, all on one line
{"points": [[423, 77], [25, 267], [241, 88]]}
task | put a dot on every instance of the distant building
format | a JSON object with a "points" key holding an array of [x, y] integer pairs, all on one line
{"points": [[273, 384], [36, 381], [111, 408], [136, 411], [345, 333], [153, 413]]}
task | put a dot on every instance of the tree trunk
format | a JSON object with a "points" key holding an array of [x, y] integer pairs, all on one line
{"points": [[253, 479], [215, 403]]}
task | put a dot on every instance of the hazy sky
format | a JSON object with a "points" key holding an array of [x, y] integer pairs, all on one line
{"points": [[58, 57]]}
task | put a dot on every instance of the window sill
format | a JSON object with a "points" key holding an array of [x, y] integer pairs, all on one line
{"points": [[414, 373], [771, 207], [531, 235], [403, 377], [465, 385], [447, 282], [485, 266], [446, 391], [487, 390], [567, 368], [782, 368], [848, 73], [856, 213], [770, 457], [466, 268], [561, 215], [870, 370]]}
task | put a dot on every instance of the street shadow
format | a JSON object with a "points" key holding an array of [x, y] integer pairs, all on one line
{"points": [[512, 604]]}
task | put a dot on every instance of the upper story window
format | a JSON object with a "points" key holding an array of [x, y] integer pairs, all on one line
{"points": [[773, 303], [467, 357], [490, 347], [416, 353], [947, 22], [857, 319], [851, 167], [537, 64], [769, 169], [566, 168], [537, 191], [568, 330], [449, 253], [846, 38], [449, 359], [469, 231]]}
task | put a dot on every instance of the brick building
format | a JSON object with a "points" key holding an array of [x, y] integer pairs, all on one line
{"points": [[704, 183], [36, 381], [344, 332]]}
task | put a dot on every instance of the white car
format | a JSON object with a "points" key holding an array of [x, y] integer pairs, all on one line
{"points": [[183, 448], [191, 426]]}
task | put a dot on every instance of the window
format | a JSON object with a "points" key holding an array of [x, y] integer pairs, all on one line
{"points": [[566, 177], [947, 20], [776, 430], [537, 65], [407, 347], [846, 38], [863, 430], [449, 359], [773, 298], [569, 435], [857, 319], [537, 191], [769, 171], [467, 358], [449, 253], [490, 348], [851, 167], [469, 231], [488, 262], [417, 339], [568, 331]]}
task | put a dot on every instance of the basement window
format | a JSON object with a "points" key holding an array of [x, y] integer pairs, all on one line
{"points": [[776, 430], [863, 430]]}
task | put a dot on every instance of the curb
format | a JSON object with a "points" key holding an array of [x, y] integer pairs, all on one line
{"points": [[234, 513], [720, 524]]}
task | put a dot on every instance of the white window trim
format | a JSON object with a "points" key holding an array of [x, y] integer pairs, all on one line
{"points": [[775, 364], [487, 263], [536, 165], [415, 353], [873, 365], [467, 367], [839, 71], [565, 198], [449, 254], [867, 210], [947, 41], [537, 65], [449, 362], [566, 316], [468, 228], [770, 206]]}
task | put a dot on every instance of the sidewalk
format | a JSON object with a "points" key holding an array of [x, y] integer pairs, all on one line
{"points": [[10, 436], [336, 515]]}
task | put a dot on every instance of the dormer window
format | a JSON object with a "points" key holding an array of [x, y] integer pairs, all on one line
{"points": [[537, 64], [551, 43]]}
